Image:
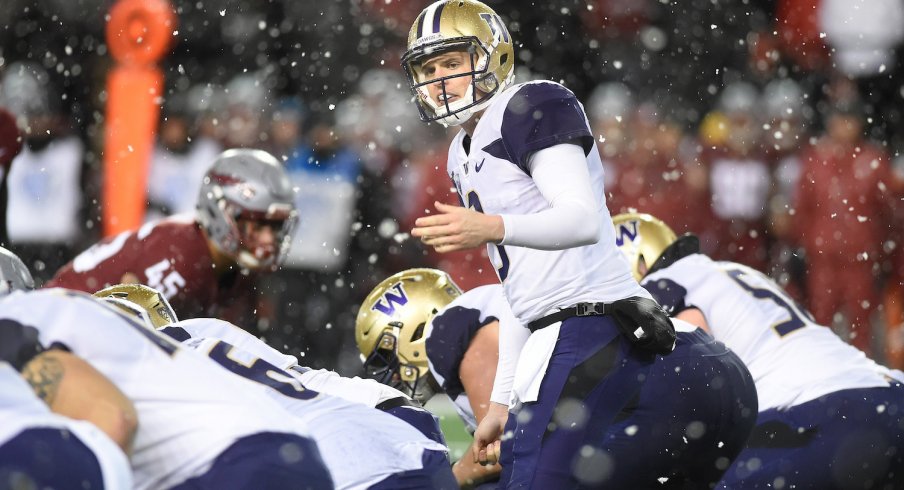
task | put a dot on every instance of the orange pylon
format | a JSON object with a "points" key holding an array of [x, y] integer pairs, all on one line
{"points": [[139, 33]]}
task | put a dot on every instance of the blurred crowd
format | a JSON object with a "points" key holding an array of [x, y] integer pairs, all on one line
{"points": [[740, 121]]}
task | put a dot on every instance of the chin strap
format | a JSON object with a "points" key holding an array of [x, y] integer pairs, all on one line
{"points": [[687, 244]]}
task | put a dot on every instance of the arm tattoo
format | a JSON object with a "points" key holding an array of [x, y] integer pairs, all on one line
{"points": [[44, 374]]}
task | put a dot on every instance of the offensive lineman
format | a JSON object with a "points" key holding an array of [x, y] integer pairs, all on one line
{"points": [[42, 449], [363, 448], [696, 436], [363, 391], [830, 418], [198, 428], [529, 175]]}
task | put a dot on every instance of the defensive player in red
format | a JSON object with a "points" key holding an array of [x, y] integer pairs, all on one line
{"points": [[205, 265]]}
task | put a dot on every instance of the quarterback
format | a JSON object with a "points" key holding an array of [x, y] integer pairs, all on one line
{"points": [[530, 179]]}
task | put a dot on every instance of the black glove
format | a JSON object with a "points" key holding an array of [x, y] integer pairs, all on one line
{"points": [[645, 324]]}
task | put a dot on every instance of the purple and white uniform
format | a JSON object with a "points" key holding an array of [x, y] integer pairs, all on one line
{"points": [[49, 450], [189, 411], [361, 446]]}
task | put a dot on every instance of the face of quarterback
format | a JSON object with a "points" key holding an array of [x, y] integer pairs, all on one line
{"points": [[443, 65]]}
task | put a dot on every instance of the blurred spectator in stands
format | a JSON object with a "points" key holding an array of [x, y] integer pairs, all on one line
{"points": [[863, 34], [893, 300], [310, 286], [842, 217], [428, 181], [179, 161], [787, 116], [610, 109], [44, 218], [739, 180], [247, 109], [659, 174], [285, 131]]}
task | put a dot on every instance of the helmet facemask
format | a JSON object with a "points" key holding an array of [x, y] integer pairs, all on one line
{"points": [[243, 191], [385, 366], [250, 254], [483, 86]]}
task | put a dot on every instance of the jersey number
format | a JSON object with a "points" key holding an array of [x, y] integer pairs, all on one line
{"points": [[798, 317], [503, 268], [259, 371], [168, 284]]}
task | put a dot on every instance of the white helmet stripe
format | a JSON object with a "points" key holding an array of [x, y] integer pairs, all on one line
{"points": [[432, 14]]}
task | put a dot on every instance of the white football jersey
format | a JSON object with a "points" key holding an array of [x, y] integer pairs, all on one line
{"points": [[791, 358], [20, 410], [493, 178], [365, 391], [449, 334], [360, 446], [189, 410]]}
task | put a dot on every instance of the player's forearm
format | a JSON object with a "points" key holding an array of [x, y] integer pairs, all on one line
{"points": [[73, 388]]}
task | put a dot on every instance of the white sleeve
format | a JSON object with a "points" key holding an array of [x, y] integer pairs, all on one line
{"points": [[512, 337], [560, 173]]}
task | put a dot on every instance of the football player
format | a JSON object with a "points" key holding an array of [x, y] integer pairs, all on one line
{"points": [[206, 265], [40, 449], [829, 417], [417, 331], [158, 312], [199, 427], [43, 449], [362, 447], [392, 332], [529, 176]]}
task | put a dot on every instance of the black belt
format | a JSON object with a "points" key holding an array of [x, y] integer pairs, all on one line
{"points": [[580, 309]]}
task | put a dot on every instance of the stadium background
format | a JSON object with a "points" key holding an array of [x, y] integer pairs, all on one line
{"points": [[332, 67]]}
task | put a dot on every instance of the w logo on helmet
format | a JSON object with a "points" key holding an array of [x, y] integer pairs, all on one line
{"points": [[626, 230], [393, 297]]}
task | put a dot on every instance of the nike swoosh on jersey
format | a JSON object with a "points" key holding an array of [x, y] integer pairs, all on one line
{"points": [[479, 166]]}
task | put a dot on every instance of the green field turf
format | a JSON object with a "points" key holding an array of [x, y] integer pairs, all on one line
{"points": [[453, 428]]}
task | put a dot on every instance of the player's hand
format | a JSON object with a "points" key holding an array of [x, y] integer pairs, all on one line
{"points": [[487, 438], [457, 228]]}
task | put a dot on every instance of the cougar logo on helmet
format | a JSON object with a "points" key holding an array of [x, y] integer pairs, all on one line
{"points": [[243, 190]]}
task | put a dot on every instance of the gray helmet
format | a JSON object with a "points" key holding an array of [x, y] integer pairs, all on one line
{"points": [[244, 184], [14, 276]]}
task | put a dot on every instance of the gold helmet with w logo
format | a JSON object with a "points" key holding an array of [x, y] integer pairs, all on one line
{"points": [[641, 239], [390, 328], [459, 25]]}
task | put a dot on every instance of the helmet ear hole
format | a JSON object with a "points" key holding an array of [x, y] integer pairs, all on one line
{"points": [[418, 332]]}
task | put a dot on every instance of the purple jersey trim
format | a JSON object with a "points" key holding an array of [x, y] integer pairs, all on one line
{"points": [[540, 115], [449, 339], [18, 343], [669, 294]]}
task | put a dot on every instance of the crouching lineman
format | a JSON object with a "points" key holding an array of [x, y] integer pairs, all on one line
{"points": [[364, 448], [417, 331], [830, 418], [40, 449], [198, 428]]}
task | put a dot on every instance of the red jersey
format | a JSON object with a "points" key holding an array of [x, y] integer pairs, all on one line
{"points": [[844, 202], [172, 256]]}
